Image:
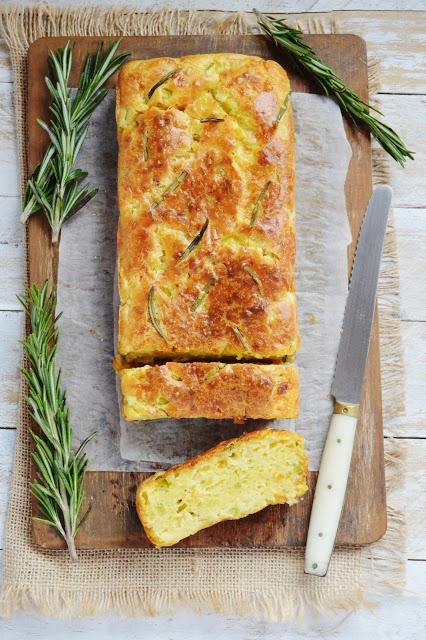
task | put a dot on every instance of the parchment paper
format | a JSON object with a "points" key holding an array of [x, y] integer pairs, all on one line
{"points": [[86, 285]]}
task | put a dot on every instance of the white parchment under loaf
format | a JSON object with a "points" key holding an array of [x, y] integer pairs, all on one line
{"points": [[86, 284]]}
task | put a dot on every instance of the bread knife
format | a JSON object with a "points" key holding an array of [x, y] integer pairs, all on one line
{"points": [[346, 387]]}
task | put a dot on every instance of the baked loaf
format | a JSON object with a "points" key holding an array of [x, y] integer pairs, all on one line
{"points": [[206, 238], [234, 479], [210, 390]]}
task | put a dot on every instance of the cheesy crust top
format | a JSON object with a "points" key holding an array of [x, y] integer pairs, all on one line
{"points": [[210, 390], [206, 238]]}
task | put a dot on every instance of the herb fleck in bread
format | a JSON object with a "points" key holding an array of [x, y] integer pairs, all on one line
{"points": [[234, 479]]}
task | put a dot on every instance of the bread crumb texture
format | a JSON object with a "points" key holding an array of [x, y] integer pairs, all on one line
{"points": [[234, 479]]}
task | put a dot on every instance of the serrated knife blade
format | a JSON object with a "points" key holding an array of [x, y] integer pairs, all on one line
{"points": [[346, 386], [360, 304]]}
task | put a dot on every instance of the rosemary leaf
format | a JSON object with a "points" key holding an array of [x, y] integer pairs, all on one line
{"points": [[304, 57], [146, 146], [54, 186], [211, 374], [255, 277], [152, 314], [258, 203], [240, 337], [161, 81], [212, 120], [203, 295], [283, 108], [58, 487], [195, 242], [171, 188]]}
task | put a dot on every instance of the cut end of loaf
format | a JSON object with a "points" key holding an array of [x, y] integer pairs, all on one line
{"points": [[236, 478]]}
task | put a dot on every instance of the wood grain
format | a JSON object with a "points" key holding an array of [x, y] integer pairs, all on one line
{"points": [[413, 422], [410, 193], [11, 329], [364, 516], [410, 225], [9, 155]]}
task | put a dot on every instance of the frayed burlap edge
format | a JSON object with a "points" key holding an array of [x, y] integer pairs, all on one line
{"points": [[263, 584]]}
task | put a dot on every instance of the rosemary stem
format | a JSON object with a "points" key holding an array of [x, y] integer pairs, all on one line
{"points": [[69, 537], [57, 186], [290, 40], [28, 209], [59, 482], [56, 221]]}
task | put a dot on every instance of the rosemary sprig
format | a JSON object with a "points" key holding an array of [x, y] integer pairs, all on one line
{"points": [[58, 487], [203, 295], [55, 185], [146, 146], [170, 188], [152, 315], [305, 59], [212, 119], [283, 109], [258, 202], [253, 275], [240, 337], [161, 81], [195, 242]]}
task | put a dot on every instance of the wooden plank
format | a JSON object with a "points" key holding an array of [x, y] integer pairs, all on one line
{"points": [[7, 446], [11, 263], [410, 227], [11, 331], [364, 518], [407, 114], [396, 40], [289, 6], [9, 184], [11, 229], [362, 5], [411, 498], [11, 252], [413, 423]]}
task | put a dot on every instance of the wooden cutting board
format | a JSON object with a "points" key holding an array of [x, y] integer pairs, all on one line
{"points": [[112, 522]]}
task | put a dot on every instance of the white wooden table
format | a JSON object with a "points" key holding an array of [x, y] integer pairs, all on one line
{"points": [[398, 39]]}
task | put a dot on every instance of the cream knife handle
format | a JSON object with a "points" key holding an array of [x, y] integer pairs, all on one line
{"points": [[330, 489]]}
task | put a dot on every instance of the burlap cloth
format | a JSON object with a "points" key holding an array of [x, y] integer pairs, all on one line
{"points": [[262, 583]]}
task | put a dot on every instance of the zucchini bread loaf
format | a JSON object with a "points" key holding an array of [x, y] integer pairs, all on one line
{"points": [[234, 479], [206, 234]]}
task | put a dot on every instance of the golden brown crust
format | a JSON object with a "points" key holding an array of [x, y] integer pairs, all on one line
{"points": [[210, 390], [298, 477], [233, 295]]}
